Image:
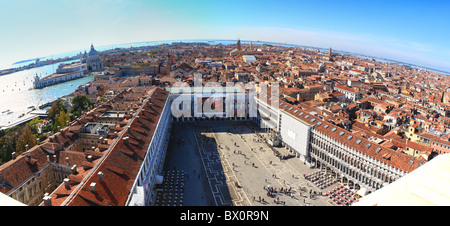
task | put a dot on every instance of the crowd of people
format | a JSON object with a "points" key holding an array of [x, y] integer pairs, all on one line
{"points": [[171, 191], [272, 192]]}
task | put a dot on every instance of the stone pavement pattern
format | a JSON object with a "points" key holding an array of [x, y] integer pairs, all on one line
{"points": [[229, 163]]}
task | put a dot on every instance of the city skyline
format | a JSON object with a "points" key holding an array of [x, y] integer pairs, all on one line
{"points": [[136, 128], [411, 32]]}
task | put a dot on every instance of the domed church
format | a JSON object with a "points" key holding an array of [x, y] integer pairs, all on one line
{"points": [[94, 63]]}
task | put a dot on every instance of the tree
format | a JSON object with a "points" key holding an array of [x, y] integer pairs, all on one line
{"points": [[80, 103], [33, 124], [26, 137], [7, 147], [61, 121], [56, 108]]}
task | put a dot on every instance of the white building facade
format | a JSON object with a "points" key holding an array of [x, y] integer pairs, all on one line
{"points": [[351, 94], [93, 61], [143, 191], [354, 160], [56, 78]]}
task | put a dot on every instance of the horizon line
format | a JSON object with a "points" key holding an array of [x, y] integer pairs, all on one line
{"points": [[344, 52]]}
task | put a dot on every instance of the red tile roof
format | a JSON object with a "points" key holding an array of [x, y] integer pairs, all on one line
{"points": [[398, 160], [123, 161]]}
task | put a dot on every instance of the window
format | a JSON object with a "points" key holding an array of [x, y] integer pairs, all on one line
{"points": [[341, 133], [358, 141], [368, 145], [378, 149], [334, 129]]}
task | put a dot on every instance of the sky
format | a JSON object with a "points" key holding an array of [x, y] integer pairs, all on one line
{"points": [[410, 31]]}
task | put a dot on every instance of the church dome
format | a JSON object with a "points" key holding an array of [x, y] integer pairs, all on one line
{"points": [[93, 52]]}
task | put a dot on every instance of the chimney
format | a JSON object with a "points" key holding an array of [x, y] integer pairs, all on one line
{"points": [[13, 155], [74, 169], [89, 158], [47, 200], [54, 158], [48, 158], [125, 140], [38, 141], [67, 160], [26, 147], [66, 183], [93, 187], [100, 176], [28, 153]]}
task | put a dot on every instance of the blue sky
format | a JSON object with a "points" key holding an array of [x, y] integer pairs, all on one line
{"points": [[412, 31]]}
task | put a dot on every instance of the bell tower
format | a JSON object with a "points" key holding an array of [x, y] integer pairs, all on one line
{"points": [[238, 46]]}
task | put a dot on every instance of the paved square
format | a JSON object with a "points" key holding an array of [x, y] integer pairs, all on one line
{"points": [[228, 163]]}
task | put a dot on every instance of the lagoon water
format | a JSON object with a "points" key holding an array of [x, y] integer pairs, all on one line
{"points": [[17, 93]]}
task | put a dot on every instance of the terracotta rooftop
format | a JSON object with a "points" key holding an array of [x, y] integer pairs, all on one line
{"points": [[360, 144], [120, 163]]}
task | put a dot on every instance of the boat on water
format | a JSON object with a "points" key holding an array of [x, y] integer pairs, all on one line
{"points": [[9, 112], [5, 111]]}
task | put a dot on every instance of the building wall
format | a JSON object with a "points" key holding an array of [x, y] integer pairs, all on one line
{"points": [[190, 105], [440, 148], [268, 115], [352, 96], [323, 151], [153, 163], [349, 163], [32, 190], [295, 134], [56, 80]]}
